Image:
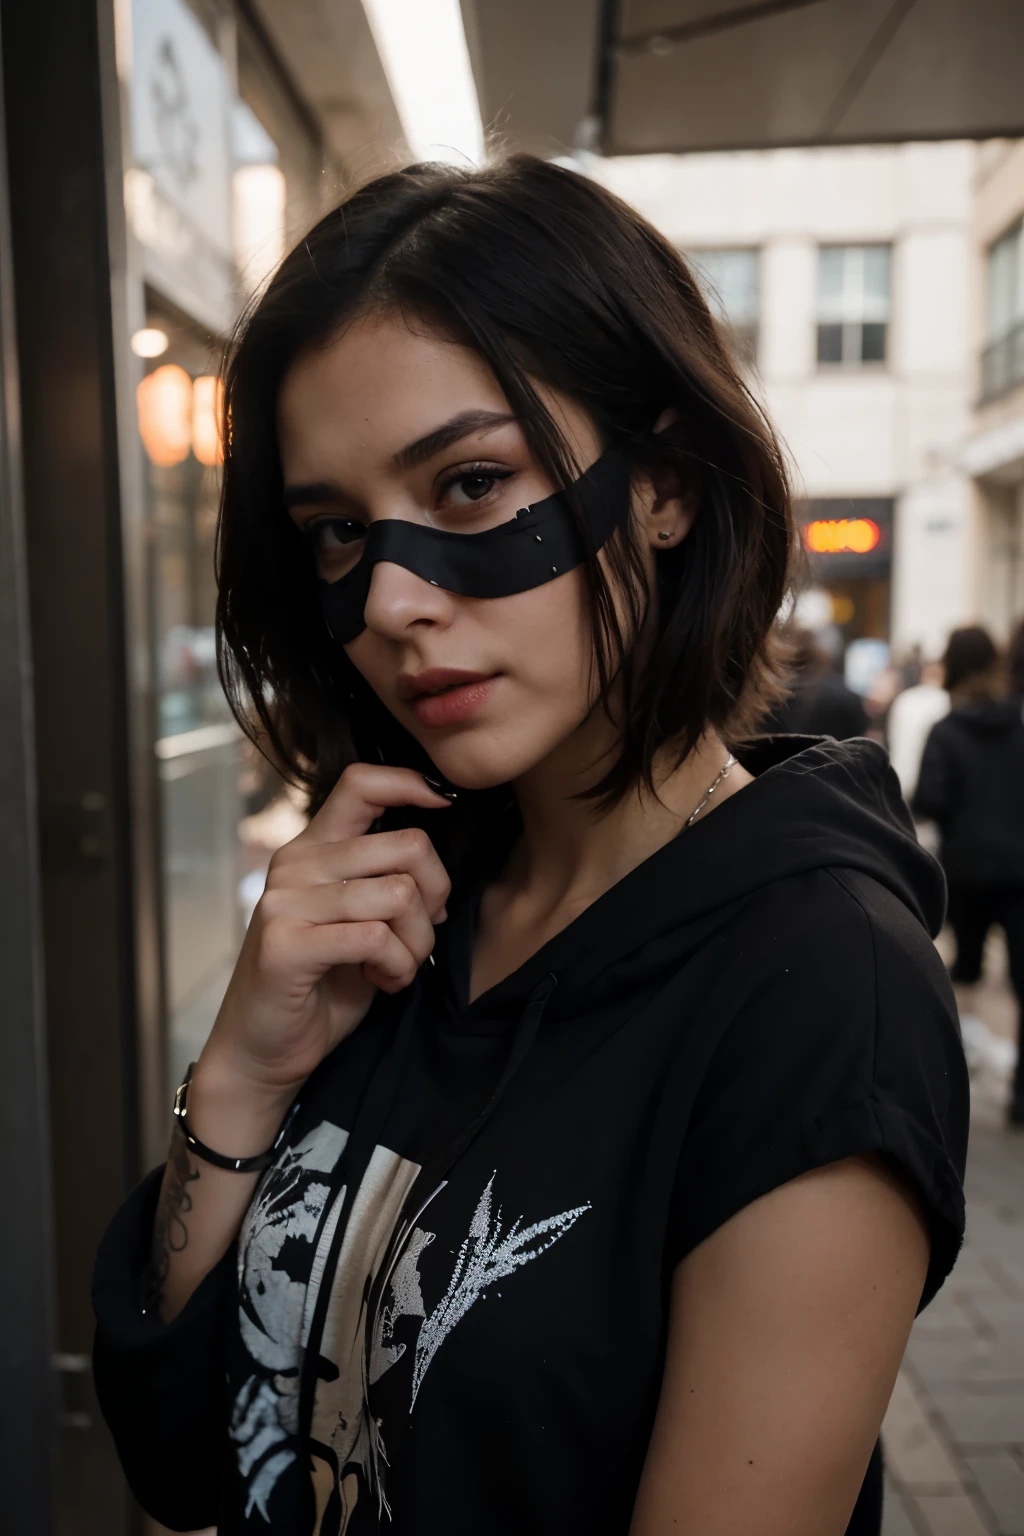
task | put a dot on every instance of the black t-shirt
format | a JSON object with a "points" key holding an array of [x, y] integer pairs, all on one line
{"points": [[448, 1304]]}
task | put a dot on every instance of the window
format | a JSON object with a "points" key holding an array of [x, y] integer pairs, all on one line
{"points": [[1002, 362], [731, 283], [853, 303]]}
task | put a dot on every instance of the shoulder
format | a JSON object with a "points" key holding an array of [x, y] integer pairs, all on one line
{"points": [[846, 1017], [844, 1043], [821, 936], [947, 728]]}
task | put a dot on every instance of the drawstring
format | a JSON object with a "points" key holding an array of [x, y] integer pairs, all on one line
{"points": [[434, 1177], [522, 1041]]}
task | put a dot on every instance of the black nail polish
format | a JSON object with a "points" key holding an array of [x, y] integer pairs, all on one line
{"points": [[438, 788]]}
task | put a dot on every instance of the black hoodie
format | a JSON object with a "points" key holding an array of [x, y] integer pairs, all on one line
{"points": [[446, 1312], [972, 784]]}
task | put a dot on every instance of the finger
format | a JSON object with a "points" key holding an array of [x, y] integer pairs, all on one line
{"points": [[374, 946], [412, 926], [393, 899], [381, 853], [363, 792]]}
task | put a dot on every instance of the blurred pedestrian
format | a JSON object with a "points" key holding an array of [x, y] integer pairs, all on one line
{"points": [[971, 785], [910, 666], [912, 714], [1015, 661], [819, 703]]}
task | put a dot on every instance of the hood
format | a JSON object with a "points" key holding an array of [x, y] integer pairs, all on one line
{"points": [[988, 716], [814, 803]]}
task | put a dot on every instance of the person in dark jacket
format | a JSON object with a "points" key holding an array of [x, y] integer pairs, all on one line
{"points": [[819, 704], [585, 1120], [972, 786], [1015, 661]]}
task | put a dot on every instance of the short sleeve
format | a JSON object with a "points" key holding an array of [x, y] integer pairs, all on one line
{"points": [[849, 1046], [161, 1385]]}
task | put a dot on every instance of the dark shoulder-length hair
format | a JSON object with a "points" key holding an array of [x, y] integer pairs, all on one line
{"points": [[970, 660], [551, 279]]}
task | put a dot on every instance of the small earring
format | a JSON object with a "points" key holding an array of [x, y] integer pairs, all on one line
{"points": [[663, 535]]}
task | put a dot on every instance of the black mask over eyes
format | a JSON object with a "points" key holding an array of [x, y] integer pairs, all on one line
{"points": [[536, 545]]}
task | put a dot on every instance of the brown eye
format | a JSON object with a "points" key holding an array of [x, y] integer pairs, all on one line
{"points": [[469, 486], [335, 543], [333, 533], [475, 487]]}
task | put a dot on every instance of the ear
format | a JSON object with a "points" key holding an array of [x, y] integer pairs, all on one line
{"points": [[666, 508]]}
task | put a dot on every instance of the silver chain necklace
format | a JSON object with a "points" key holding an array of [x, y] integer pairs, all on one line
{"points": [[723, 773]]}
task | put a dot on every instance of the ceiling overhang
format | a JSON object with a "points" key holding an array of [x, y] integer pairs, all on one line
{"points": [[677, 76], [535, 64], [329, 52]]}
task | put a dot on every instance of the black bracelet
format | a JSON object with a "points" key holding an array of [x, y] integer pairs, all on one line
{"points": [[232, 1164]]}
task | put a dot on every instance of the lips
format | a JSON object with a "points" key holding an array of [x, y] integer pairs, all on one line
{"points": [[436, 680], [443, 696]]}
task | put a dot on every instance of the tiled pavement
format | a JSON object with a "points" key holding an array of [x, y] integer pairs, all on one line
{"points": [[954, 1433]]}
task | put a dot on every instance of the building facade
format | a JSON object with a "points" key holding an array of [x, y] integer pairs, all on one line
{"points": [[843, 275], [993, 454]]}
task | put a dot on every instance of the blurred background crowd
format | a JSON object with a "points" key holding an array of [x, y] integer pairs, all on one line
{"points": [[847, 178]]}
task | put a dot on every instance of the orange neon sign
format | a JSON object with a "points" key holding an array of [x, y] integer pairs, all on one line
{"points": [[842, 536]]}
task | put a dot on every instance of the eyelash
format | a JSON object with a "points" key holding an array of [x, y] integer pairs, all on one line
{"points": [[477, 471]]}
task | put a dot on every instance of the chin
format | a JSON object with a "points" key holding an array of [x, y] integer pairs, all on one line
{"points": [[482, 759]]}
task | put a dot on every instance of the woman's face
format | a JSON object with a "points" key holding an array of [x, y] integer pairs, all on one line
{"points": [[394, 421]]}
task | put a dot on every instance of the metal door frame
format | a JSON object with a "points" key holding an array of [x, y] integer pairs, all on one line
{"points": [[27, 1445], [74, 300]]}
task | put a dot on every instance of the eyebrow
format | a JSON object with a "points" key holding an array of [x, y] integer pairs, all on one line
{"points": [[322, 492], [316, 494], [450, 432]]}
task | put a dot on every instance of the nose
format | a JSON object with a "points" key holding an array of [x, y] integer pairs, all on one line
{"points": [[398, 599]]}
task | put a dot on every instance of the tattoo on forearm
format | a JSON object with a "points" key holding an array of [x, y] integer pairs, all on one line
{"points": [[170, 1230]]}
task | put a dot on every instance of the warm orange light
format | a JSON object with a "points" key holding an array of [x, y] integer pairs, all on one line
{"points": [[842, 535], [164, 400], [207, 422]]}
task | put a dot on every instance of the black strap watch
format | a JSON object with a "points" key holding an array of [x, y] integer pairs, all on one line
{"points": [[254, 1164]]}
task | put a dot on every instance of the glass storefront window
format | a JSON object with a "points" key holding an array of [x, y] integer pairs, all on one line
{"points": [[199, 749], [223, 173], [183, 525]]}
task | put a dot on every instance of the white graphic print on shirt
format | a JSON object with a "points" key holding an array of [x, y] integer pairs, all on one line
{"points": [[485, 1256], [277, 1311], [274, 1306], [340, 1432]]}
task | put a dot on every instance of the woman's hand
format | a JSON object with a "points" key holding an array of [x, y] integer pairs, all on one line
{"points": [[345, 912]]}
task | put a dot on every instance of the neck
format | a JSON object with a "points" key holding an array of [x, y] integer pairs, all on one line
{"points": [[570, 852]]}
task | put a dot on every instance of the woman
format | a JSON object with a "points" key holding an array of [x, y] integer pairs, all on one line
{"points": [[605, 1086], [972, 786]]}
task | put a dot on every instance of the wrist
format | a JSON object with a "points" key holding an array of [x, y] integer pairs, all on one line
{"points": [[230, 1112]]}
